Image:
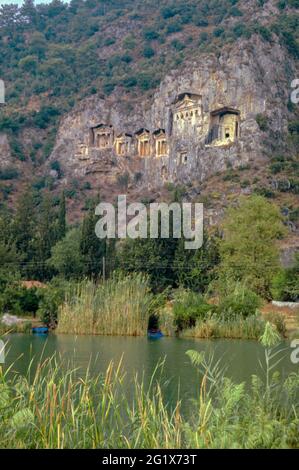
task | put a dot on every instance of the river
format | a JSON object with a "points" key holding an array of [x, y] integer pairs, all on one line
{"points": [[141, 355]]}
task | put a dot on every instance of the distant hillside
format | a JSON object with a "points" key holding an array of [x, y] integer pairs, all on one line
{"points": [[63, 63], [54, 54]]}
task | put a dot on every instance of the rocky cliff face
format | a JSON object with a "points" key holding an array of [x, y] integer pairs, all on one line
{"points": [[5, 154], [201, 120]]}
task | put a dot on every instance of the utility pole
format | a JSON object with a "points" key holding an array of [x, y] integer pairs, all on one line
{"points": [[104, 268]]}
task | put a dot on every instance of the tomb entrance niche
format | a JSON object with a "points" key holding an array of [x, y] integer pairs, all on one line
{"points": [[143, 143], [183, 158], [82, 151], [161, 147], [101, 136], [224, 127], [123, 144], [164, 173]]}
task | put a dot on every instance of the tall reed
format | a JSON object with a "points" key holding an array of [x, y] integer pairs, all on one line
{"points": [[119, 306], [52, 408]]}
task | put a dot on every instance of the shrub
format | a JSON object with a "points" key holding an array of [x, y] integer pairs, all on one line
{"points": [[123, 180], [86, 186], [50, 300], [129, 82], [241, 302], [285, 285], [108, 87], [234, 11], [150, 34], [168, 12], [293, 127], [277, 319], [126, 58], [148, 52], [262, 122], [9, 173], [178, 45], [174, 27], [218, 32], [19, 300], [55, 165], [109, 41], [276, 167], [188, 307]]}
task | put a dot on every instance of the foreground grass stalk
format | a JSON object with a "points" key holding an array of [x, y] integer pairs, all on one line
{"points": [[51, 409]]}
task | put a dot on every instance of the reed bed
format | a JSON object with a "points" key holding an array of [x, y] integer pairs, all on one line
{"points": [[121, 305], [54, 409], [235, 328]]}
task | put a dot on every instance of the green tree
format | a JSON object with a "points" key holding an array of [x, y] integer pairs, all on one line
{"points": [[249, 249], [61, 230], [66, 257], [154, 257], [45, 236], [24, 230], [195, 269], [28, 63], [92, 248]]}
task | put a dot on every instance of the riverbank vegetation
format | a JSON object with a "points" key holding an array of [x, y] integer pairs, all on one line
{"points": [[48, 409], [120, 306], [91, 286]]}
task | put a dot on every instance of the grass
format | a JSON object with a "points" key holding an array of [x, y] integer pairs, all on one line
{"points": [[51, 409], [121, 305], [213, 326]]}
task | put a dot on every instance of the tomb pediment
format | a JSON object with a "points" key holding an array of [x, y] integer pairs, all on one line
{"points": [[225, 110], [187, 96], [102, 126], [159, 133], [142, 133]]}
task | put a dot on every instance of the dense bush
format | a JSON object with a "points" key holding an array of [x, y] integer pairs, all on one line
{"points": [[19, 300], [285, 285], [239, 301], [50, 300], [278, 320], [188, 306], [9, 173]]}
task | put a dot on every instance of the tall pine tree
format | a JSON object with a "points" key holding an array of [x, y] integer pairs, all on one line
{"points": [[92, 248]]}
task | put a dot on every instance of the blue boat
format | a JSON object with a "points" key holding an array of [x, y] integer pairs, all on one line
{"points": [[40, 330], [155, 334]]}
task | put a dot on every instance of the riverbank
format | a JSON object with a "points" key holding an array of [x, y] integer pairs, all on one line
{"points": [[52, 409], [124, 305]]}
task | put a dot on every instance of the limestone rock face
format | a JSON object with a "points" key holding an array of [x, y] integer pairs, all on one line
{"points": [[201, 120], [5, 155]]}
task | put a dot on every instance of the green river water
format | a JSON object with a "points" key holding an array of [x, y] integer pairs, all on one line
{"points": [[140, 355]]}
